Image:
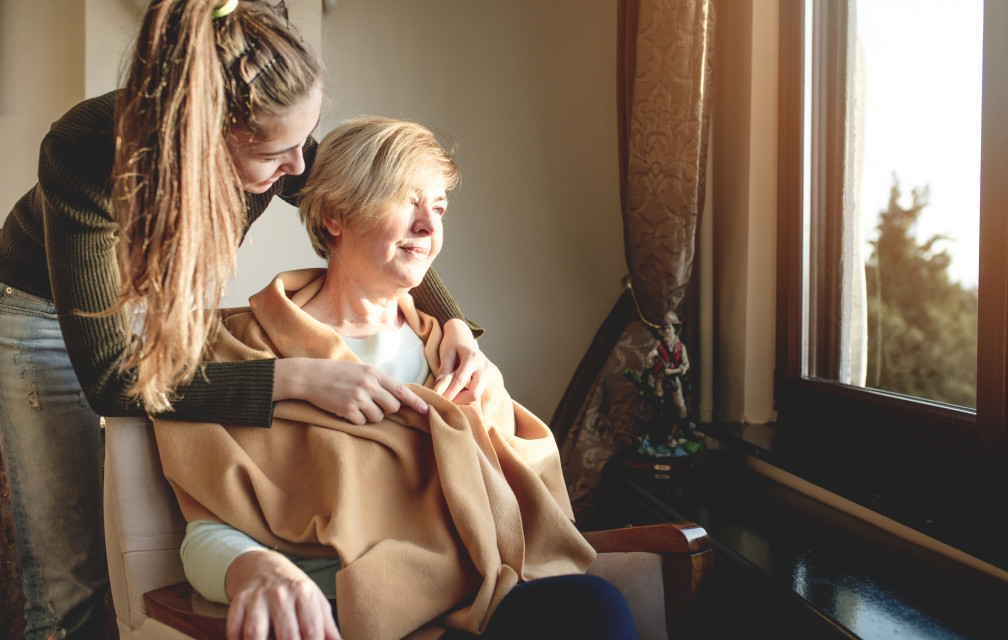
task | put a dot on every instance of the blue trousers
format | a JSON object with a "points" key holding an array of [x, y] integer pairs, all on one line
{"points": [[574, 606], [51, 444]]}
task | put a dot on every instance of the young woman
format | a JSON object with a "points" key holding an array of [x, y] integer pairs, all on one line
{"points": [[111, 266]]}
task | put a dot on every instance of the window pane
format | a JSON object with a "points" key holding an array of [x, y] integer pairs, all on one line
{"points": [[908, 308]]}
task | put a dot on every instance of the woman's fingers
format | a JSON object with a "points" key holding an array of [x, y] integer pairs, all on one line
{"points": [[456, 386], [306, 618], [329, 629], [472, 391], [404, 395], [470, 380], [478, 383], [351, 390], [235, 620], [248, 617], [283, 604], [268, 591], [315, 617], [380, 395], [461, 355], [296, 611]]}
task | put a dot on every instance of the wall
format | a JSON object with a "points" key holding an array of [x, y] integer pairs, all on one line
{"points": [[41, 74], [526, 89]]}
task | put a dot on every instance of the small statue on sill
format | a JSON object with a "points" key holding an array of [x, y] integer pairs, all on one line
{"points": [[668, 432], [669, 364]]}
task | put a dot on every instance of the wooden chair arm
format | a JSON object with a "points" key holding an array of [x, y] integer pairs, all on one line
{"points": [[685, 549], [669, 537], [181, 608]]}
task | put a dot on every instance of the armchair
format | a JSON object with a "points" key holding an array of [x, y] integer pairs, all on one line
{"points": [[658, 568]]}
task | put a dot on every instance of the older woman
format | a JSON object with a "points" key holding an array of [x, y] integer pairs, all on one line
{"points": [[455, 521]]}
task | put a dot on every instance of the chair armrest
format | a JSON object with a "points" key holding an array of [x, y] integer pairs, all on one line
{"points": [[669, 537], [685, 550], [180, 607]]}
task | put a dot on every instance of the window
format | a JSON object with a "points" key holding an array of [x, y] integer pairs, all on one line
{"points": [[909, 201], [892, 267]]}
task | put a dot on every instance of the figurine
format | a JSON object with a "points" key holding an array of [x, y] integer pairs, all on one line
{"points": [[668, 433], [669, 364]]}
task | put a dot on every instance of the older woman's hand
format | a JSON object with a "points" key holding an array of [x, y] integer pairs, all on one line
{"points": [[351, 390], [462, 356], [268, 590]]}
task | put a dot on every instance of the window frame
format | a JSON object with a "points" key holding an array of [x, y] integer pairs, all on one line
{"points": [[911, 439]]}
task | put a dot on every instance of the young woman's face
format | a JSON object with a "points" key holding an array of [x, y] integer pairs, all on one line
{"points": [[276, 150], [396, 252]]}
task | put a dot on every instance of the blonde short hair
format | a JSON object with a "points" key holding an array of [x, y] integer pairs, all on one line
{"points": [[364, 164]]}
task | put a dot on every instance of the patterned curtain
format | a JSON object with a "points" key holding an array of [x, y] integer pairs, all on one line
{"points": [[664, 86]]}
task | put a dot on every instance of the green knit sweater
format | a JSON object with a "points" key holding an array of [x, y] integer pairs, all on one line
{"points": [[59, 243]]}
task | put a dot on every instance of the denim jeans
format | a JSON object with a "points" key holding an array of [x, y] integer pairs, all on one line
{"points": [[52, 450]]}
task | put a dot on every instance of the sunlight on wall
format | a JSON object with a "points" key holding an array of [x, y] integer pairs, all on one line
{"points": [[534, 235]]}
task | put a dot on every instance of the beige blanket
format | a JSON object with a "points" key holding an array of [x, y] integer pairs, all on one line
{"points": [[435, 518]]}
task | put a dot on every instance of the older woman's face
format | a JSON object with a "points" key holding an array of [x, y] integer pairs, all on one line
{"points": [[399, 249]]}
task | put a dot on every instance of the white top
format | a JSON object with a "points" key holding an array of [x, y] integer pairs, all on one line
{"points": [[397, 353]]}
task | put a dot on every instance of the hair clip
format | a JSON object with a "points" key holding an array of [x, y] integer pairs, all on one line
{"points": [[225, 8]]}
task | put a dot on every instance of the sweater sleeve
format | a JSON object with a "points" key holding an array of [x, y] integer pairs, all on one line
{"points": [[432, 298], [74, 197]]}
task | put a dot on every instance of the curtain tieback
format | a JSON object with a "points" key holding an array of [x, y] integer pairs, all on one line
{"points": [[628, 285]]}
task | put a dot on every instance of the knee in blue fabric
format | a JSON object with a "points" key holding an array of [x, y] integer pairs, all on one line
{"points": [[573, 606]]}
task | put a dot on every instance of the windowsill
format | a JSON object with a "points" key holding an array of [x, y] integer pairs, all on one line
{"points": [[783, 560], [971, 531]]}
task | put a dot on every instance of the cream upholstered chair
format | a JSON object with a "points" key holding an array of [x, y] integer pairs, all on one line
{"points": [[657, 568], [143, 527]]}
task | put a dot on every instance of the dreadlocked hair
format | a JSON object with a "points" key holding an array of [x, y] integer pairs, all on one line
{"points": [[177, 196]]}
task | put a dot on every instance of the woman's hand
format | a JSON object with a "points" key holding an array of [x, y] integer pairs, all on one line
{"points": [[268, 590], [351, 390], [460, 354]]}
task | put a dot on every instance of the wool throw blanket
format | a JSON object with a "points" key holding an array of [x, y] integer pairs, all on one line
{"points": [[434, 517]]}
